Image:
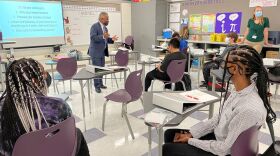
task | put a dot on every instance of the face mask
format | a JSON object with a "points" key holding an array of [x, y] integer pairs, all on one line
{"points": [[228, 75], [258, 13], [227, 40]]}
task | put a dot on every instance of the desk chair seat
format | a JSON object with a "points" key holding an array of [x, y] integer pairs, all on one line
{"points": [[119, 96], [175, 71], [58, 140], [66, 68], [132, 92]]}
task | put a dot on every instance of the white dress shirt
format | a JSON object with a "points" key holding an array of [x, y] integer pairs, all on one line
{"points": [[241, 111]]}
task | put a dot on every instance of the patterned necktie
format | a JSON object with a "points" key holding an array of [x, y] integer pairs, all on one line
{"points": [[105, 30]]}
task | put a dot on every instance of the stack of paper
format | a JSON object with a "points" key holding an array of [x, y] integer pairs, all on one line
{"points": [[159, 116]]}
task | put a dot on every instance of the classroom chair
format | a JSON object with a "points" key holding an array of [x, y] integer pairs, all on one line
{"points": [[247, 143], [121, 59], [58, 140], [175, 71], [66, 68], [132, 92], [129, 42], [273, 79]]}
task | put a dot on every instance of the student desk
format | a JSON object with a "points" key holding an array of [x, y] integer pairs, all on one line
{"points": [[148, 106], [54, 62], [83, 74], [3, 42]]}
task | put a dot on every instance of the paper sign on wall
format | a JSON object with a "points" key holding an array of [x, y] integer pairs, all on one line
{"points": [[195, 23], [208, 23], [175, 7], [263, 3], [174, 17], [228, 22], [174, 26]]}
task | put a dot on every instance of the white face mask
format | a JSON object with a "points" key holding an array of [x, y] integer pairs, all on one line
{"points": [[227, 40]]}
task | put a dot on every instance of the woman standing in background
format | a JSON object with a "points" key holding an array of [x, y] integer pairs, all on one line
{"points": [[256, 34]]}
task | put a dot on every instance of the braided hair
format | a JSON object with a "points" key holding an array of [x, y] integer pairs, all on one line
{"points": [[253, 65], [21, 110]]}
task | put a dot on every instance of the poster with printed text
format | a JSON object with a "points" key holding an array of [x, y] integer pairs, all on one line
{"points": [[195, 23], [208, 23], [263, 3], [175, 7], [228, 22]]}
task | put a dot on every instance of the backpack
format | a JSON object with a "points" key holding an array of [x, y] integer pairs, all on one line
{"points": [[179, 87], [75, 53]]}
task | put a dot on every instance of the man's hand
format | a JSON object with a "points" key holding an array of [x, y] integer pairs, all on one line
{"points": [[182, 137], [267, 44], [115, 38], [106, 35]]}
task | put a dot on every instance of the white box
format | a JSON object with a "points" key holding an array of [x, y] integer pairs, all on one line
{"points": [[172, 101], [180, 102]]}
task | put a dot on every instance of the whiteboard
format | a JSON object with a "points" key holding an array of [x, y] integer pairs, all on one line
{"points": [[78, 20]]}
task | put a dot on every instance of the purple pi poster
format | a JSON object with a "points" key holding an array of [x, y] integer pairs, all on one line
{"points": [[228, 22]]}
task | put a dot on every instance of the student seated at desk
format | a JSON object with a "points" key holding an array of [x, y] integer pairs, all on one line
{"points": [[231, 39], [24, 106], [160, 71], [246, 106]]}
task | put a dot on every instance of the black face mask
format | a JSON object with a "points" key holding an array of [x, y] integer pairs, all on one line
{"points": [[106, 23]]}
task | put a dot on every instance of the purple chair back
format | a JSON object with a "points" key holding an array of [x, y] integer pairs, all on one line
{"points": [[129, 40], [133, 85], [176, 69], [67, 67], [247, 143], [122, 58], [58, 140]]}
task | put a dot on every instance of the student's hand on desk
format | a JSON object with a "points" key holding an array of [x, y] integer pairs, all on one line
{"points": [[115, 38], [182, 137]]}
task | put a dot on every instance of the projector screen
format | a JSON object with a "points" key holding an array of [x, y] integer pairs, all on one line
{"points": [[31, 23]]}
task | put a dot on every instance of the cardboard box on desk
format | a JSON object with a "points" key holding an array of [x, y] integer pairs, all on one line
{"points": [[180, 102], [272, 54]]}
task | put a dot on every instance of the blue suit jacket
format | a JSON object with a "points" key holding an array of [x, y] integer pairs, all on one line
{"points": [[98, 48]]}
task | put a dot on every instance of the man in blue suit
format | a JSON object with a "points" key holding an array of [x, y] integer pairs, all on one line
{"points": [[98, 49]]}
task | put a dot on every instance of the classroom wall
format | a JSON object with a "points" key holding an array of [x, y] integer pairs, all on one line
{"points": [[148, 21], [40, 53], [235, 6]]}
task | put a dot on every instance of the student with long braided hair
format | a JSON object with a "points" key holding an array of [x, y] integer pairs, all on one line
{"points": [[24, 106], [246, 106]]}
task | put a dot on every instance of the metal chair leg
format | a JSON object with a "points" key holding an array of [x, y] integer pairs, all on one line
{"points": [[63, 86], [103, 117], [277, 86], [127, 121], [57, 87], [71, 91], [116, 80], [183, 85]]}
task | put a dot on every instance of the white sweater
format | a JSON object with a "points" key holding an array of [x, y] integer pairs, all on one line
{"points": [[241, 111]]}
